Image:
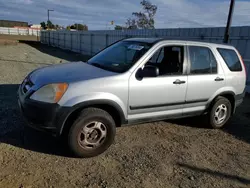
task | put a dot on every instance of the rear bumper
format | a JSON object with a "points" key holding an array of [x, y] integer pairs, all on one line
{"points": [[42, 116]]}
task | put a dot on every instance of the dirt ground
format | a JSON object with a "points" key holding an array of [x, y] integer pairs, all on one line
{"points": [[19, 37], [167, 154]]}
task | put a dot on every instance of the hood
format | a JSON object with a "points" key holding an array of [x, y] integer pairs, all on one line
{"points": [[68, 72]]}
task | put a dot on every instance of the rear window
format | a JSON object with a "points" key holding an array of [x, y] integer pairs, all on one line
{"points": [[231, 59]]}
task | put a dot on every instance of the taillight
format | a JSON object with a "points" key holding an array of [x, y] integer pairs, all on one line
{"points": [[243, 64]]}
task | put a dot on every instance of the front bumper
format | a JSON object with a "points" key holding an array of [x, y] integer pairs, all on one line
{"points": [[42, 116]]}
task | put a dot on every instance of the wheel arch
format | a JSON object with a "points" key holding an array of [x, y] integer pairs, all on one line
{"points": [[230, 95], [110, 106]]}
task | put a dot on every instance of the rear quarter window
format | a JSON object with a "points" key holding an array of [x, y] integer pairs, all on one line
{"points": [[231, 59]]}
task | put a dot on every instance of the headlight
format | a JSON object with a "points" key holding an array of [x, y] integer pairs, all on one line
{"points": [[50, 93]]}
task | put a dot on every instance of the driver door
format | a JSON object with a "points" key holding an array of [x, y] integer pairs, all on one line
{"points": [[163, 96]]}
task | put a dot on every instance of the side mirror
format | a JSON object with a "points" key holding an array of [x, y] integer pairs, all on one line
{"points": [[150, 71], [147, 71]]}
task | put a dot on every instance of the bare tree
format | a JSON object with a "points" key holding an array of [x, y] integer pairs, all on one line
{"points": [[144, 19], [131, 24]]}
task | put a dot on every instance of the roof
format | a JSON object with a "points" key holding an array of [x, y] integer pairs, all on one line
{"points": [[155, 40], [147, 40]]}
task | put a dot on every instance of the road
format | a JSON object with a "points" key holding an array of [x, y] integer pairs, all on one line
{"points": [[173, 154]]}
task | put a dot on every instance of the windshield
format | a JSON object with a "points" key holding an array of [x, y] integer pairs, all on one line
{"points": [[121, 56]]}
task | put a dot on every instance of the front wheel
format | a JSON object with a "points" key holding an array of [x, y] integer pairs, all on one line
{"points": [[220, 113], [92, 133]]}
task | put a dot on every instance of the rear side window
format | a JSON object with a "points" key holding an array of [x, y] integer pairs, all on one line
{"points": [[231, 59], [202, 60]]}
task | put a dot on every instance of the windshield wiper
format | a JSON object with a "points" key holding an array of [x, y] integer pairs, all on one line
{"points": [[96, 65], [104, 67]]}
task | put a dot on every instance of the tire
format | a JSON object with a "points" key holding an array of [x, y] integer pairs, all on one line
{"points": [[220, 104], [86, 136]]}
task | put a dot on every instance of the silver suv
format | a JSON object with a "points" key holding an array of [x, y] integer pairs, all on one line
{"points": [[133, 81]]}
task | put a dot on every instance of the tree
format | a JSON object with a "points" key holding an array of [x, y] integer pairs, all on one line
{"points": [[72, 27], [50, 25], [43, 25], [131, 24], [80, 27], [118, 27], [57, 26], [145, 19]]}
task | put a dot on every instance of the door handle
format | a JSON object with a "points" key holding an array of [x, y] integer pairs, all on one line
{"points": [[179, 82], [218, 79]]}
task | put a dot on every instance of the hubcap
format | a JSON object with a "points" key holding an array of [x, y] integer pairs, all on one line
{"points": [[220, 114], [92, 135]]}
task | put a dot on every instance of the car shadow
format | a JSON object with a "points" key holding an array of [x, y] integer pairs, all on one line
{"points": [[239, 125], [195, 122], [215, 173], [56, 52], [14, 130]]}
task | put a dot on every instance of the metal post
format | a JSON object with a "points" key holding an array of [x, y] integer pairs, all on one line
{"points": [[107, 39], [229, 21], [48, 16], [49, 37], [71, 48], [91, 44], [64, 40], [80, 42]]}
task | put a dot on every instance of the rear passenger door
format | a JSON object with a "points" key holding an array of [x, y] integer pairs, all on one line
{"points": [[205, 77]]}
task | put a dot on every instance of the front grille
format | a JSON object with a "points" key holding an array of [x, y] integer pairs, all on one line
{"points": [[27, 84]]}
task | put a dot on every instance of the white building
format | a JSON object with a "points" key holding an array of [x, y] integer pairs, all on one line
{"points": [[36, 26]]}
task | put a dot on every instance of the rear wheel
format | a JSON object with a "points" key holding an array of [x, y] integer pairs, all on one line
{"points": [[220, 112], [92, 133]]}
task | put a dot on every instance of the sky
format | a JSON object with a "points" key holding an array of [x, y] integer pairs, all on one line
{"points": [[97, 14]]}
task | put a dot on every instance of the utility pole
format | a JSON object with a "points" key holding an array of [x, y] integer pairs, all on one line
{"points": [[48, 16], [49, 24], [229, 21]]}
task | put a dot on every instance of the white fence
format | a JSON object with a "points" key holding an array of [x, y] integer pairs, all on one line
{"points": [[90, 42], [19, 31]]}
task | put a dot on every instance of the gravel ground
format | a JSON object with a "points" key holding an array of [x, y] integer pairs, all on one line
{"points": [[19, 37], [169, 154]]}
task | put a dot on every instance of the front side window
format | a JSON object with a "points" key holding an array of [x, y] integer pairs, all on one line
{"points": [[231, 59], [121, 56], [202, 60], [157, 57], [169, 60]]}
